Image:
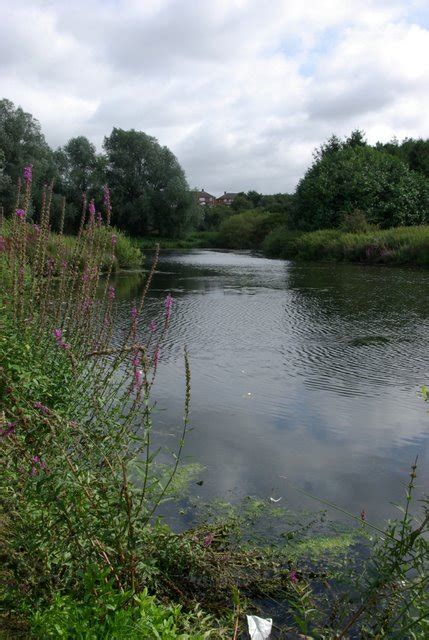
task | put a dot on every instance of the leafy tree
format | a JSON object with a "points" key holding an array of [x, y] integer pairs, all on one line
{"points": [[148, 187], [81, 170], [241, 203], [345, 177], [22, 142]]}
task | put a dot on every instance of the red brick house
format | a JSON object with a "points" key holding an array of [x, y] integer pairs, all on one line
{"points": [[227, 199], [205, 199]]}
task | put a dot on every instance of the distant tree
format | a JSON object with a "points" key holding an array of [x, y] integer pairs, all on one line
{"points": [[212, 217], [414, 152], [148, 186], [241, 203], [81, 170], [347, 177]]}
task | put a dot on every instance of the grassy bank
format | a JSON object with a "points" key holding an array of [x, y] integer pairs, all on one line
{"points": [[400, 246], [196, 240], [83, 553]]}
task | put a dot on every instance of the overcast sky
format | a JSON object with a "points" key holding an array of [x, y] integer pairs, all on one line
{"points": [[240, 90]]}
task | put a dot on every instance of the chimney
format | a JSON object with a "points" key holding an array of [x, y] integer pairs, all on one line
{"points": [[224, 193]]}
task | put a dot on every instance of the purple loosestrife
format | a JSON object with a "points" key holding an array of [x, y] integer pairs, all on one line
{"points": [[114, 239], [208, 539], [152, 326], [134, 313], [156, 357], [111, 293], [2, 244], [38, 465], [59, 340], [28, 173], [20, 214], [91, 209], [168, 306], [106, 196], [10, 428], [293, 577], [42, 408]]}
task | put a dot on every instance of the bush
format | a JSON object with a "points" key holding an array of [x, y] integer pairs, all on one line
{"points": [[247, 230]]}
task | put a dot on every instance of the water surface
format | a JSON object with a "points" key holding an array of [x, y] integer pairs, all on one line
{"points": [[309, 371]]}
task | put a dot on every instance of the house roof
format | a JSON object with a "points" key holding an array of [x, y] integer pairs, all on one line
{"points": [[204, 194], [228, 195]]}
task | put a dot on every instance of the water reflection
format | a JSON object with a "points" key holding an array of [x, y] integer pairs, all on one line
{"points": [[305, 371]]}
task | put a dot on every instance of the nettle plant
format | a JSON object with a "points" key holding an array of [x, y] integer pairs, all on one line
{"points": [[76, 429]]}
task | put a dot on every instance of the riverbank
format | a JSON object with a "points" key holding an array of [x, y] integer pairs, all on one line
{"points": [[397, 246], [400, 246], [84, 552]]}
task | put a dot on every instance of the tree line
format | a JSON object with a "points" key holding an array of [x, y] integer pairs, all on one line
{"points": [[149, 191], [349, 183]]}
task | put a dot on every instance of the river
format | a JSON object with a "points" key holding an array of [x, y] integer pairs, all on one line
{"points": [[309, 371]]}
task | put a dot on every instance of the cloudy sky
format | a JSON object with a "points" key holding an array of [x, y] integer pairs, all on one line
{"points": [[241, 90]]}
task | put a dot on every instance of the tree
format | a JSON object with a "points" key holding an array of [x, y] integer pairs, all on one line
{"points": [[22, 142], [81, 170], [148, 186], [346, 177]]}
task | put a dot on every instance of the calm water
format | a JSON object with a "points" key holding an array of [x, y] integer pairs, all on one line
{"points": [[308, 371]]}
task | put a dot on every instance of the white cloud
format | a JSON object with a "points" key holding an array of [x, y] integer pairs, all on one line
{"points": [[242, 90]]}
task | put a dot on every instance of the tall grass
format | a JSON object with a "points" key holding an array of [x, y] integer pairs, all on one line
{"points": [[401, 245]]}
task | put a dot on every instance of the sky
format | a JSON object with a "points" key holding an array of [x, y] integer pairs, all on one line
{"points": [[242, 91]]}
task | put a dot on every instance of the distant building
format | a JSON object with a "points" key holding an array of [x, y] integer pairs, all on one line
{"points": [[205, 199], [227, 199]]}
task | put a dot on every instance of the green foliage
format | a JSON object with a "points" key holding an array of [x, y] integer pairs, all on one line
{"points": [[403, 245], [104, 612], [348, 176], [149, 189], [247, 230]]}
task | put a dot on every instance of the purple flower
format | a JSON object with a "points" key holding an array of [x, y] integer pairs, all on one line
{"points": [[156, 356], [106, 196], [2, 244], [28, 173], [41, 407], [10, 428], [134, 313], [363, 515], [152, 326], [114, 239], [99, 218], [37, 464], [58, 334], [91, 209], [138, 378], [36, 229], [20, 213], [293, 576], [168, 304], [208, 539], [111, 293], [64, 265]]}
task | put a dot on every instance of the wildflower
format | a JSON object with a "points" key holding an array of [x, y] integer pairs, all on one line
{"points": [[58, 334], [134, 313], [59, 340], [293, 577], [64, 265], [99, 218], [10, 428], [20, 214], [28, 173], [363, 515], [36, 229], [42, 408], [138, 378], [38, 464], [168, 305], [2, 244], [113, 239], [156, 356], [92, 209], [152, 326], [208, 539], [111, 293], [106, 196]]}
